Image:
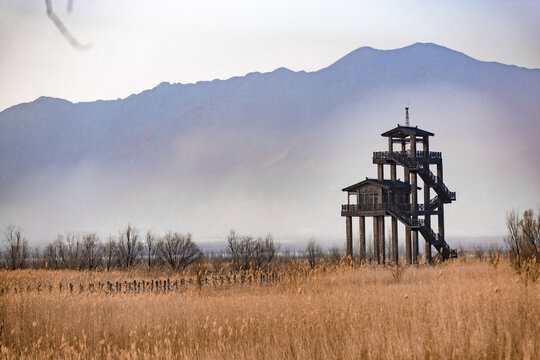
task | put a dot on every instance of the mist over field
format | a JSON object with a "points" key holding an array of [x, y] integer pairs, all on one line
{"points": [[271, 152]]}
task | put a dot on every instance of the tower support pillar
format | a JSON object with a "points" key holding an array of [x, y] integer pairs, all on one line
{"points": [[348, 225], [376, 239], [362, 237], [408, 253], [415, 251], [395, 255], [382, 245]]}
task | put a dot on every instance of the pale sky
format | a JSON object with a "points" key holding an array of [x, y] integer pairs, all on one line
{"points": [[137, 44]]}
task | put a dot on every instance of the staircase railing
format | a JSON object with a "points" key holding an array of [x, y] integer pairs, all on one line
{"points": [[427, 230], [435, 181], [398, 210], [401, 157], [429, 154], [434, 203], [427, 175]]}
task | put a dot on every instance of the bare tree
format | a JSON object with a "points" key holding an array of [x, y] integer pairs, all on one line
{"points": [[531, 234], [16, 248], [129, 246], [73, 250], [50, 257], [61, 251], [109, 252], [91, 253], [264, 252], [54, 254], [314, 253], [242, 249], [178, 250], [150, 249], [523, 238]]}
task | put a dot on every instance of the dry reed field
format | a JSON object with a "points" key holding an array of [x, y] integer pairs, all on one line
{"points": [[462, 309]]}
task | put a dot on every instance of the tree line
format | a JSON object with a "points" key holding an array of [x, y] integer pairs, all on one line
{"points": [[178, 250], [132, 248]]}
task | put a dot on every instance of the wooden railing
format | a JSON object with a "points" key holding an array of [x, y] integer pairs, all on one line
{"points": [[404, 156], [402, 212], [422, 167], [372, 207], [433, 203], [435, 182], [429, 154], [400, 157]]}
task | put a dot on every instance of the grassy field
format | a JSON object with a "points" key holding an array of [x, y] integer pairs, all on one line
{"points": [[457, 310]]}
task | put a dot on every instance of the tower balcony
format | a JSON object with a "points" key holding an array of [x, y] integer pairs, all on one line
{"points": [[390, 157], [379, 209], [384, 208]]}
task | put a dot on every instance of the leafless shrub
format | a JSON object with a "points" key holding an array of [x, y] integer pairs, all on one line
{"points": [[129, 246], [247, 252], [109, 252], [51, 255], [16, 246], [523, 243], [314, 253], [73, 249], [91, 251], [264, 252], [242, 249], [150, 249], [178, 250]]}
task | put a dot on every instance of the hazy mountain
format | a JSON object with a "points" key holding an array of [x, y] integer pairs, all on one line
{"points": [[270, 152]]}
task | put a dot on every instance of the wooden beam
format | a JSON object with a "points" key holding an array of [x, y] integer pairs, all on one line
{"points": [[382, 245], [348, 225], [362, 237], [376, 238], [395, 255], [408, 254]]}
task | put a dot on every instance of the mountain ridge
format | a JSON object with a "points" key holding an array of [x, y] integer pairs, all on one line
{"points": [[258, 141], [353, 53]]}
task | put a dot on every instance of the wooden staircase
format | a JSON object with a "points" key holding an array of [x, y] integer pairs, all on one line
{"points": [[420, 165], [427, 232]]}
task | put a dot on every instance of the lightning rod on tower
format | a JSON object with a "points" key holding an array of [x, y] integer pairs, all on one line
{"points": [[407, 123]]}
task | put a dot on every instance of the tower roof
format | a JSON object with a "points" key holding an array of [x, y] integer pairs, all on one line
{"points": [[387, 184], [406, 131]]}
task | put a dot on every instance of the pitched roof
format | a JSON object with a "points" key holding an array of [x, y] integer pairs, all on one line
{"points": [[387, 184], [406, 131]]}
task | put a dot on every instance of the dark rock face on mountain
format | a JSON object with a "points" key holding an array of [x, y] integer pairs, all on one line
{"points": [[270, 152]]}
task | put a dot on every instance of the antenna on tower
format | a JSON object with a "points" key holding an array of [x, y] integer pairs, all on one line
{"points": [[407, 123]]}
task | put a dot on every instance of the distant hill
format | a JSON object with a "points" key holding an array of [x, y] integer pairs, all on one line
{"points": [[270, 152]]}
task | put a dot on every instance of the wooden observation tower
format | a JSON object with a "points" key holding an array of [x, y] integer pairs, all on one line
{"points": [[399, 199]]}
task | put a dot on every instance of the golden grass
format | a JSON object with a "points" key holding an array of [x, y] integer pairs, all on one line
{"points": [[458, 310]]}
